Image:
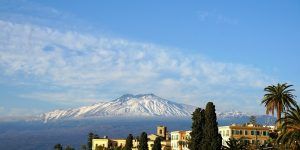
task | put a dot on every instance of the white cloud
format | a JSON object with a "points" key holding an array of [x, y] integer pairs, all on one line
{"points": [[74, 96], [216, 17], [17, 112], [88, 67]]}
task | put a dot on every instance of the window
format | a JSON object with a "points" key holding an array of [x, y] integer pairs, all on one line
{"points": [[241, 132], [232, 132], [237, 132], [264, 133], [160, 131], [246, 132], [227, 133], [252, 132], [176, 137], [257, 133]]}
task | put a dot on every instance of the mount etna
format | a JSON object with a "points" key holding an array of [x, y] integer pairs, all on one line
{"points": [[117, 118]]}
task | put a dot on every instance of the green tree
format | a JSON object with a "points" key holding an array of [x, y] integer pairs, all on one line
{"points": [[278, 98], [157, 144], [58, 147], [182, 143], [198, 119], [290, 129], [117, 148], [129, 145], [234, 144], [143, 141], [100, 148], [69, 148], [252, 119], [212, 139], [90, 141]]}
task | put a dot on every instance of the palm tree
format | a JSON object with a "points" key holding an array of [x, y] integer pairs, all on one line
{"points": [[278, 98], [181, 144], [234, 144], [290, 130]]}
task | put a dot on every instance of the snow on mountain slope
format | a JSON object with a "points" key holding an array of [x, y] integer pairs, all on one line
{"points": [[127, 105], [231, 114], [142, 105]]}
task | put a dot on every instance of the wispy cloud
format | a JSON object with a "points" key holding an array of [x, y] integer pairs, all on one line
{"points": [[216, 17], [92, 67], [18, 112]]}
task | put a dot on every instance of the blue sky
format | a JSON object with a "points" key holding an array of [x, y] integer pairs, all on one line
{"points": [[58, 54]]}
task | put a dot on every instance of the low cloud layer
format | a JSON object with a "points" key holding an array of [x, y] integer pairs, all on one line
{"points": [[84, 68]]}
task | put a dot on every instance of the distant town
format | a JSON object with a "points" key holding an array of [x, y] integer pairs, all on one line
{"points": [[205, 134], [251, 133]]}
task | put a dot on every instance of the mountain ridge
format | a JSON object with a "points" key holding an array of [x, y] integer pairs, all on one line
{"points": [[128, 105], [133, 106]]}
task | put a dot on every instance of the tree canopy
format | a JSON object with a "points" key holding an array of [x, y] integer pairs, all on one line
{"points": [[143, 141], [129, 145], [205, 135], [157, 144], [197, 129]]}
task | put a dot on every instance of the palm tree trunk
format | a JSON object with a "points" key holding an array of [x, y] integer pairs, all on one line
{"points": [[279, 110]]}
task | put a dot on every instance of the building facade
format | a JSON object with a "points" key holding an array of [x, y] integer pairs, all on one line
{"points": [[250, 133], [161, 133], [179, 140]]}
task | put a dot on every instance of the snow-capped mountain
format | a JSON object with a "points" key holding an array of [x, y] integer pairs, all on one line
{"points": [[142, 105], [233, 113], [125, 106]]}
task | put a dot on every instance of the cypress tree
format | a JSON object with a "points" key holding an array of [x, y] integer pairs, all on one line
{"points": [[212, 139], [129, 145], [157, 144], [143, 142], [90, 140], [197, 129]]}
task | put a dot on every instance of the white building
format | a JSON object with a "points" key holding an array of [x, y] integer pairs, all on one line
{"points": [[179, 140], [225, 132]]}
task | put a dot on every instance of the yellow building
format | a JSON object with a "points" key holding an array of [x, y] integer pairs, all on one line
{"points": [[161, 132], [106, 142], [254, 134]]}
